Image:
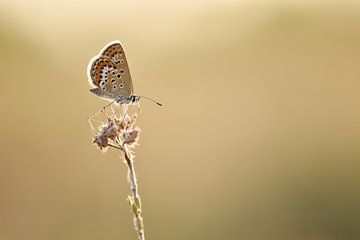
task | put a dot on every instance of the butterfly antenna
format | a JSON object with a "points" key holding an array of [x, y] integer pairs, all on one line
{"points": [[152, 100]]}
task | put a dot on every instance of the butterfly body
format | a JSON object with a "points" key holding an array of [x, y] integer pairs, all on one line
{"points": [[127, 100]]}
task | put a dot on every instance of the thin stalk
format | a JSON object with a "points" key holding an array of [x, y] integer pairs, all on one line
{"points": [[134, 199]]}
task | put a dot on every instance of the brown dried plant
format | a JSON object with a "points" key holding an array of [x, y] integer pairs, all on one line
{"points": [[121, 134]]}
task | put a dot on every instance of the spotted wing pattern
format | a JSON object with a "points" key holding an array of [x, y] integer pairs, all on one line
{"points": [[110, 73], [116, 53]]}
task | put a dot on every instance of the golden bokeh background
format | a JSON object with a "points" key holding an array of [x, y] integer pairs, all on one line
{"points": [[258, 137]]}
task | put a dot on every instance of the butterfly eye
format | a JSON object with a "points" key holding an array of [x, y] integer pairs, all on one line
{"points": [[121, 85]]}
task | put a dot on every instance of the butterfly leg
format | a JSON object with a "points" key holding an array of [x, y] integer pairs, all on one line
{"points": [[105, 113], [93, 116], [106, 106], [114, 112], [125, 108]]}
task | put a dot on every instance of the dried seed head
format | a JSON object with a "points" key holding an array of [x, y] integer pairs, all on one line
{"points": [[126, 122], [112, 130], [123, 122], [132, 120], [131, 137], [101, 140], [117, 131]]}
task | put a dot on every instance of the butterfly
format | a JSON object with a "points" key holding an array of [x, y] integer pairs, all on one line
{"points": [[109, 74]]}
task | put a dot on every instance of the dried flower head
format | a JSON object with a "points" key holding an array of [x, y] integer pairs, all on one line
{"points": [[131, 137], [127, 121], [117, 132], [101, 140], [113, 129]]}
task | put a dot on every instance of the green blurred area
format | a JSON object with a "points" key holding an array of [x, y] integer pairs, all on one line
{"points": [[258, 137]]}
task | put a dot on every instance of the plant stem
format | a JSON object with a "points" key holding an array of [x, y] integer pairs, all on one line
{"points": [[134, 199]]}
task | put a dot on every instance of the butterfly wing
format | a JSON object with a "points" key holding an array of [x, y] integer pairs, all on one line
{"points": [[98, 72], [115, 52], [108, 78]]}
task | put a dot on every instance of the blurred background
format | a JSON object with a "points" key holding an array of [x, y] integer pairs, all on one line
{"points": [[258, 137]]}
